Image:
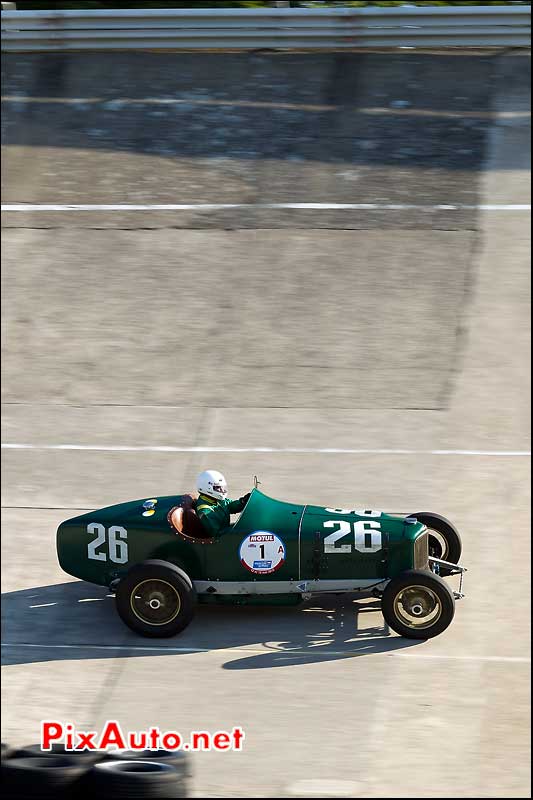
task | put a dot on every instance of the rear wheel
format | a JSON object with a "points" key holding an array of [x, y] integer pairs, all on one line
{"points": [[155, 599], [444, 540], [418, 604]]}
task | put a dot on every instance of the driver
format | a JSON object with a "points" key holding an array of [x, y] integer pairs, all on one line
{"points": [[213, 507]]}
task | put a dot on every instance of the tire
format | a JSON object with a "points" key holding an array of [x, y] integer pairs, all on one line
{"points": [[52, 777], [80, 757], [412, 593], [115, 779], [155, 582], [444, 539], [176, 758]]}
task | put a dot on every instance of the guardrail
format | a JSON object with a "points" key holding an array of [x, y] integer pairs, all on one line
{"points": [[279, 28]]}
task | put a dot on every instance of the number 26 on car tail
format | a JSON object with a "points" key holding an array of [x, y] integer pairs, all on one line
{"points": [[110, 543]]}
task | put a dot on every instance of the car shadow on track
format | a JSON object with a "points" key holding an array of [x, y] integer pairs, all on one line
{"points": [[77, 620]]}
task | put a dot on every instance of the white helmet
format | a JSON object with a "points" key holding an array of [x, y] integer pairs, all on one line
{"points": [[212, 483]]}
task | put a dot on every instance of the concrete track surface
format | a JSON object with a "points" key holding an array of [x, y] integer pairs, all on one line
{"points": [[402, 333]]}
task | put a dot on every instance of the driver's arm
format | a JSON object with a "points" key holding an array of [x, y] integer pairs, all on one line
{"points": [[216, 518], [234, 506]]}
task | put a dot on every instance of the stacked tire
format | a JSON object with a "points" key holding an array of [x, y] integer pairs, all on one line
{"points": [[6, 750], [47, 777], [140, 774], [28, 773]]}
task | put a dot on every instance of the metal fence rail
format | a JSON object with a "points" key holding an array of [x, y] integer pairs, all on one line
{"points": [[246, 29]]}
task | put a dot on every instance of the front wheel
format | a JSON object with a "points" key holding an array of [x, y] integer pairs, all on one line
{"points": [[155, 600], [418, 604], [444, 541]]}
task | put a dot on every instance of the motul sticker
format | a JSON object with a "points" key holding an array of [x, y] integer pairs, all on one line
{"points": [[262, 552]]}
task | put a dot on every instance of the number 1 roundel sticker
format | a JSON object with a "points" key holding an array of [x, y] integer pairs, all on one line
{"points": [[262, 552]]}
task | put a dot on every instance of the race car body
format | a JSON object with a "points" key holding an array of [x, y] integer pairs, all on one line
{"points": [[277, 552]]}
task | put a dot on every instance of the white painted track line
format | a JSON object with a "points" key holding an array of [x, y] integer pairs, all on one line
{"points": [[44, 207], [312, 653], [299, 450]]}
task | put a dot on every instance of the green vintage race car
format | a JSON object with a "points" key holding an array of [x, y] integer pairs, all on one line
{"points": [[155, 557]]}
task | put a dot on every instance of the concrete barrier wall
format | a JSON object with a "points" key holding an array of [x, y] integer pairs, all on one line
{"points": [[252, 306], [228, 128]]}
